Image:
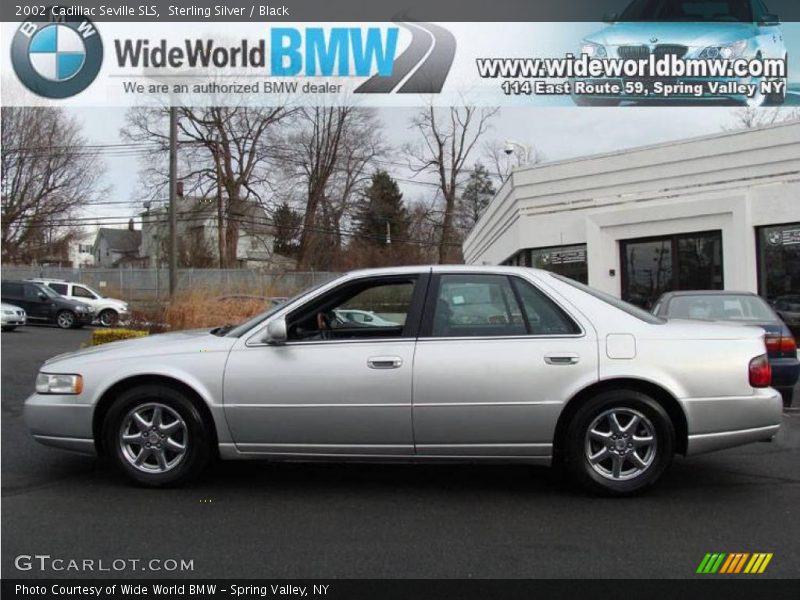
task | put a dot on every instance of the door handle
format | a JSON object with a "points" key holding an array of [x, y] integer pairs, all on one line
{"points": [[385, 362], [561, 358]]}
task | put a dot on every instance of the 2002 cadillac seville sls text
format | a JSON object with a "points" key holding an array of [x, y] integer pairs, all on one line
{"points": [[459, 363]]}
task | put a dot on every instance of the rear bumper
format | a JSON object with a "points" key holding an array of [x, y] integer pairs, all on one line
{"points": [[717, 423]]}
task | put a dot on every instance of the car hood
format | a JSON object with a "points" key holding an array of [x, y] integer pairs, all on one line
{"points": [[686, 34], [181, 342], [9, 307]]}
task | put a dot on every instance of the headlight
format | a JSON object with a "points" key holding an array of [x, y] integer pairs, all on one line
{"points": [[8, 312], [51, 383], [733, 50], [593, 50]]}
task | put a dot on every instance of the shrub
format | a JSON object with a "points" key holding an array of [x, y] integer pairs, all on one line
{"points": [[104, 336], [198, 310]]}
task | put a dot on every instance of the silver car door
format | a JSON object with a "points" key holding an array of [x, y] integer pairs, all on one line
{"points": [[344, 392], [495, 362]]}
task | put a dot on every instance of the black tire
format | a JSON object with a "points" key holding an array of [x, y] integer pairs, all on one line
{"points": [[108, 317], [197, 438], [600, 478], [788, 396], [66, 319], [9, 327]]}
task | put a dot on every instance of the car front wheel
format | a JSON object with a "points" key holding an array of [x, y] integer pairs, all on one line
{"points": [[108, 318], [66, 319], [156, 436], [620, 442]]}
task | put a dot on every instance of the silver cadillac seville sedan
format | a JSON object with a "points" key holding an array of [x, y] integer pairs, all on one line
{"points": [[463, 364]]}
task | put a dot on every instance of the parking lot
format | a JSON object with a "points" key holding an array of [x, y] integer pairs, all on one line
{"points": [[267, 520]]}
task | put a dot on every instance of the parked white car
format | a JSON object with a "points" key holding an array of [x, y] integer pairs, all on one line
{"points": [[109, 311], [12, 317]]}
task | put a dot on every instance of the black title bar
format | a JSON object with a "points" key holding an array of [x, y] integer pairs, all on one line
{"points": [[702, 588], [341, 10]]}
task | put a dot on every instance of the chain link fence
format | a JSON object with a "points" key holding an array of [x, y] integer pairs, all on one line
{"points": [[153, 284]]}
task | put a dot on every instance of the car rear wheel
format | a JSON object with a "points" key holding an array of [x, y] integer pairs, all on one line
{"points": [[66, 319], [619, 443], [156, 436], [108, 318]]}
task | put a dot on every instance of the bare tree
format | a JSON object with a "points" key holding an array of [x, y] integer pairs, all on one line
{"points": [[448, 139], [501, 163], [330, 152], [751, 118], [48, 173], [225, 154]]}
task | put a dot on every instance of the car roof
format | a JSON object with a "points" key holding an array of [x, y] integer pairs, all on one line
{"points": [[707, 293], [47, 280], [444, 269]]}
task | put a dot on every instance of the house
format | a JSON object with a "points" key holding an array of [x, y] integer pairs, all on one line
{"points": [[715, 212], [198, 227], [81, 251], [117, 247]]}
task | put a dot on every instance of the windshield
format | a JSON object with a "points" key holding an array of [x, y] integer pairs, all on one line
{"points": [[688, 10], [48, 291], [243, 328], [720, 307], [632, 310], [93, 291]]}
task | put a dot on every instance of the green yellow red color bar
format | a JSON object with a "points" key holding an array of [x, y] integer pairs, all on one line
{"points": [[734, 562]]}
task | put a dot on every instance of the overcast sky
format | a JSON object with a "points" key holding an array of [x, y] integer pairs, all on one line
{"points": [[558, 133]]}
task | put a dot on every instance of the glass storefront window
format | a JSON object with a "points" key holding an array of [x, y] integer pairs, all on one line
{"points": [[569, 261], [779, 263], [653, 266]]}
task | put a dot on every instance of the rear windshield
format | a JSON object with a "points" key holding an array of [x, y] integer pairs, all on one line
{"points": [[626, 307], [720, 307]]}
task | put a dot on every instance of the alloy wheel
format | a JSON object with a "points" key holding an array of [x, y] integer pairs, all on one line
{"points": [[65, 319], [620, 444], [154, 438]]}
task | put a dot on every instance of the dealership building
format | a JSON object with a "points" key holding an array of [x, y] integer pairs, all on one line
{"points": [[717, 212]]}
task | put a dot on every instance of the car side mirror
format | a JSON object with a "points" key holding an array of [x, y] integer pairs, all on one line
{"points": [[610, 17], [769, 19], [42, 296], [277, 332]]}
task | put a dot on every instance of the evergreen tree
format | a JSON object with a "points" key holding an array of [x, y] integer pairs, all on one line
{"points": [[287, 223], [478, 192], [382, 204]]}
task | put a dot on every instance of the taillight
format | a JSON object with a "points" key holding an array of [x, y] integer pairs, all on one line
{"points": [[778, 344], [760, 372]]}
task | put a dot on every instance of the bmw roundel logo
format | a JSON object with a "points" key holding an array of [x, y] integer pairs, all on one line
{"points": [[57, 59]]}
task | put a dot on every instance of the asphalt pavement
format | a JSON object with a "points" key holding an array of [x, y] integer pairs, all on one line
{"points": [[257, 519]]}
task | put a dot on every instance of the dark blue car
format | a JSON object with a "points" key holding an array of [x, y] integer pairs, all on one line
{"points": [[741, 308]]}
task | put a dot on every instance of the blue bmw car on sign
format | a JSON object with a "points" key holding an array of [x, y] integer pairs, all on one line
{"points": [[689, 29]]}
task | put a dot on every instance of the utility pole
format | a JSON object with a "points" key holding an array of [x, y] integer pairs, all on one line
{"points": [[173, 200], [388, 233]]}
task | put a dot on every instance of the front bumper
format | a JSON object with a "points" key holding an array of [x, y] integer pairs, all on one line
{"points": [[717, 423], [15, 321], [60, 421]]}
